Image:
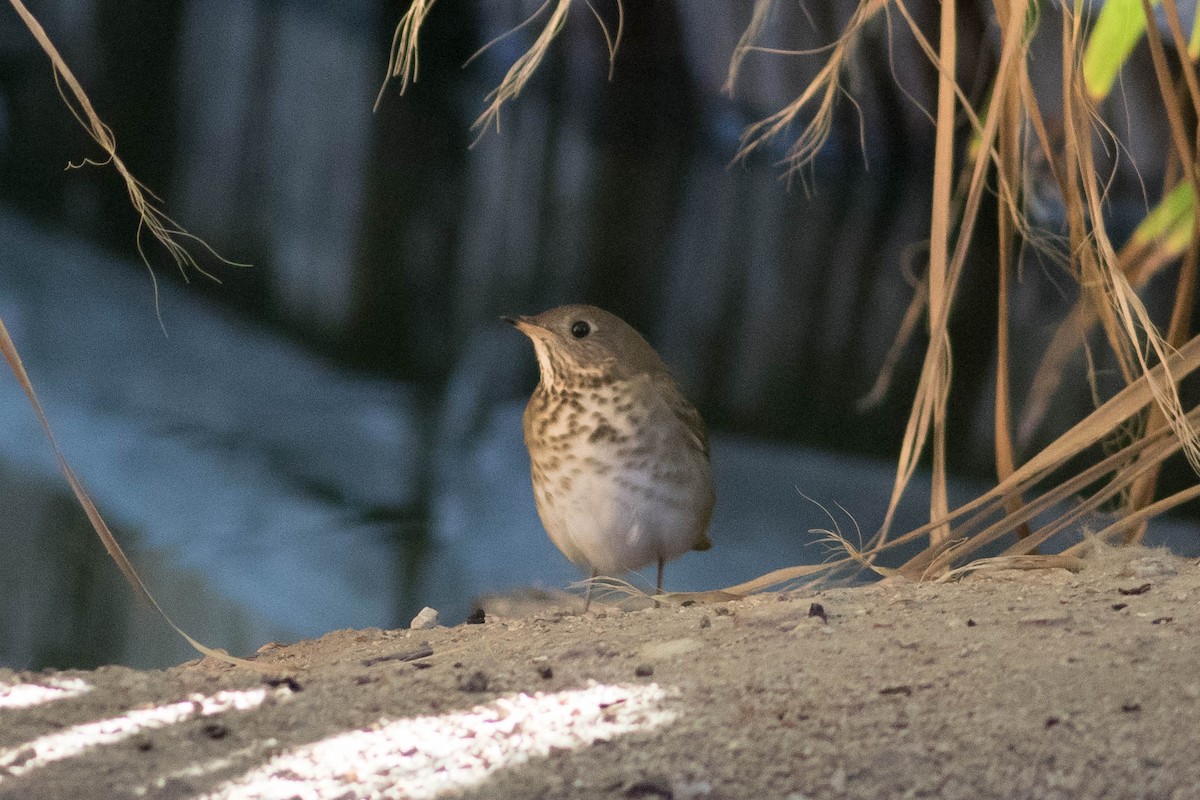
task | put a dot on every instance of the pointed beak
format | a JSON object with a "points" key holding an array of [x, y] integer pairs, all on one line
{"points": [[524, 324]]}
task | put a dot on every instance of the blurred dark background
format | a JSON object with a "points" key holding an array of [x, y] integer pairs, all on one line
{"points": [[345, 410]]}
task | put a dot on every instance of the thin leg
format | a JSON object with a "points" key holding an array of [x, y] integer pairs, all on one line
{"points": [[587, 597], [660, 570]]}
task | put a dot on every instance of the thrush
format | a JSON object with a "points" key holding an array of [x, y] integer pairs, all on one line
{"points": [[618, 456]]}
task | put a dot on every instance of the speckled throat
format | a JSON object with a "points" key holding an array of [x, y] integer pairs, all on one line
{"points": [[580, 407], [562, 374], [619, 458], [571, 425]]}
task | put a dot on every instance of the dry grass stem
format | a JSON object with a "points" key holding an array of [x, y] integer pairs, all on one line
{"points": [[1142, 493], [1068, 520], [754, 30], [9, 349], [837, 541], [826, 85], [1001, 563], [1010, 151], [1140, 260], [151, 218], [174, 239], [1137, 518], [614, 591], [937, 379], [1124, 467], [605, 587], [1007, 133], [403, 60], [928, 413], [611, 41], [522, 70], [786, 577], [908, 327]]}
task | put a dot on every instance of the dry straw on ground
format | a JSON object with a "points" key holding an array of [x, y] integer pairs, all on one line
{"points": [[1008, 133], [168, 233], [1005, 133]]}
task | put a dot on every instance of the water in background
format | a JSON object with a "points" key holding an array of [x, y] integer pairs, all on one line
{"points": [[269, 495], [332, 438]]}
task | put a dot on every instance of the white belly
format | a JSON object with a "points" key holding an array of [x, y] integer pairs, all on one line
{"points": [[622, 520]]}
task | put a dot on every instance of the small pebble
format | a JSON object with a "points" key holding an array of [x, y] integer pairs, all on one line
{"points": [[424, 651], [1152, 567], [837, 781], [690, 790], [287, 682], [644, 670], [657, 651], [215, 731], [475, 682], [428, 618], [649, 788], [478, 617]]}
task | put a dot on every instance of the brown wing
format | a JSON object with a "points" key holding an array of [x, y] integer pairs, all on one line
{"points": [[686, 413], [693, 424]]}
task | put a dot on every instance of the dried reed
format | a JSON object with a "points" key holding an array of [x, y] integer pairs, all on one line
{"points": [[1007, 134], [174, 240]]}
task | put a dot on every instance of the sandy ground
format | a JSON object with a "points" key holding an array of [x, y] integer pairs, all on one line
{"points": [[1007, 684]]}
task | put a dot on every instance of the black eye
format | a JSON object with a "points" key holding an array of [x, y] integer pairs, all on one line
{"points": [[580, 329]]}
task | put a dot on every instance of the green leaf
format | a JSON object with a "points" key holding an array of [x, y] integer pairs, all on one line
{"points": [[1170, 222], [1118, 28], [1194, 42]]}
